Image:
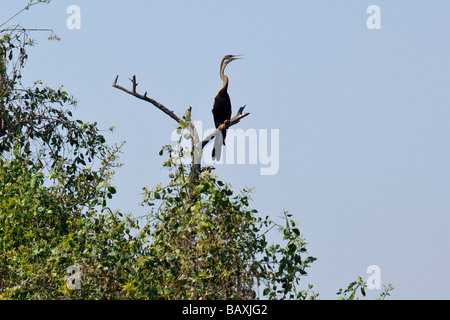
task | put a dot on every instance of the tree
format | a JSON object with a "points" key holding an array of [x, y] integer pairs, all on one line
{"points": [[55, 173], [204, 242]]}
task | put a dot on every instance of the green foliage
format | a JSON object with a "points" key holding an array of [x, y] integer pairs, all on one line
{"points": [[33, 117], [360, 286], [53, 200], [38, 121], [40, 239], [27, 213], [206, 249], [201, 249], [214, 247], [283, 264]]}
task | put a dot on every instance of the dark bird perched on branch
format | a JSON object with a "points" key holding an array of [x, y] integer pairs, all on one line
{"points": [[222, 104]]}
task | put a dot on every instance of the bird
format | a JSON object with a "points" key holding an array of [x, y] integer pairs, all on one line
{"points": [[222, 103]]}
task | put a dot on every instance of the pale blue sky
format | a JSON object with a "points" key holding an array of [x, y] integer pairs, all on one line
{"points": [[363, 115]]}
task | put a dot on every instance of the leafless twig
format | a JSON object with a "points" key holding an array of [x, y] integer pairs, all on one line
{"points": [[145, 98]]}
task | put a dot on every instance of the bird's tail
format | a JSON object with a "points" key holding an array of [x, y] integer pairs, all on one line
{"points": [[216, 156], [218, 146], [219, 152], [224, 133]]}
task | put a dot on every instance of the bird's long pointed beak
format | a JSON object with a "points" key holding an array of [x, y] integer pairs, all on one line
{"points": [[237, 56]]}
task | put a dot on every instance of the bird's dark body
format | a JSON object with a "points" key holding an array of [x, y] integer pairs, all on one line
{"points": [[222, 110]]}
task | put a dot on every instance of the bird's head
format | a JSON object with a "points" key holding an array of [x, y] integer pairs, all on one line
{"points": [[230, 57]]}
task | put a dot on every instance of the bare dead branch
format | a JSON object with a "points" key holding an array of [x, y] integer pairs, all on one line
{"points": [[145, 98]]}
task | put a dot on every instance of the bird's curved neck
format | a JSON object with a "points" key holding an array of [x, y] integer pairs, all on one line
{"points": [[225, 82], [223, 77]]}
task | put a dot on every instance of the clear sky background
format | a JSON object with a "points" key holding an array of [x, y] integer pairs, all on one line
{"points": [[363, 115]]}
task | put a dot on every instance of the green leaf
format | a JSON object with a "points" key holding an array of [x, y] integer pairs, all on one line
{"points": [[292, 247], [112, 190], [310, 260]]}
